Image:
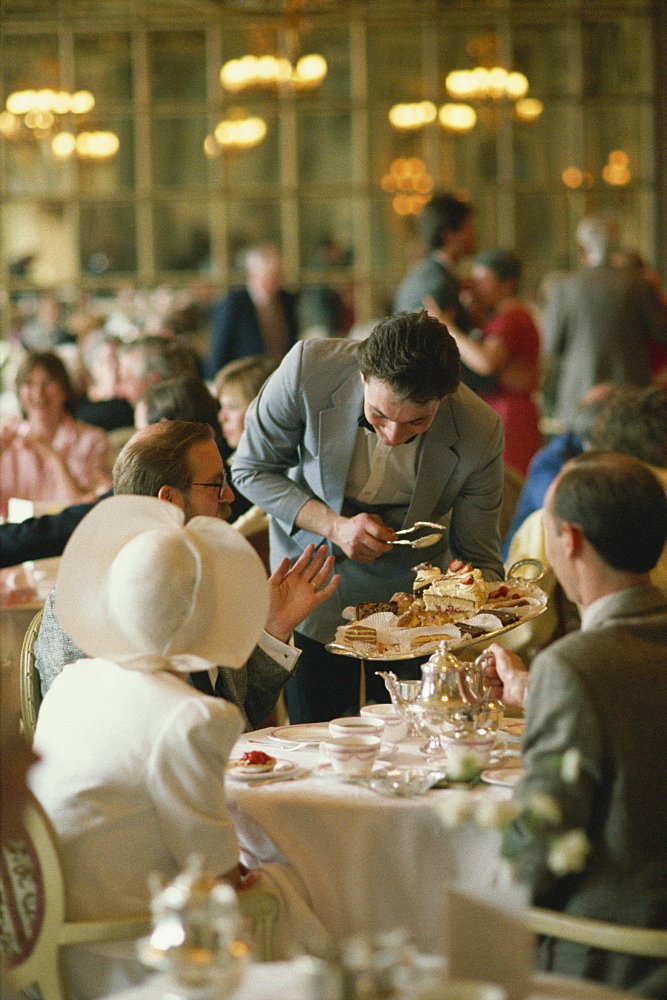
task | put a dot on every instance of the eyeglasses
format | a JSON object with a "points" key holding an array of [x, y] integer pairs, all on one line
{"points": [[219, 486]]}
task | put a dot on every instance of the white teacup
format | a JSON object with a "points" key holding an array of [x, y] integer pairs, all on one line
{"points": [[353, 756], [395, 725], [356, 726], [469, 754]]}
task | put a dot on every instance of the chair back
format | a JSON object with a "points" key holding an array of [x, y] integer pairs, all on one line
{"points": [[40, 963], [627, 940], [30, 689]]}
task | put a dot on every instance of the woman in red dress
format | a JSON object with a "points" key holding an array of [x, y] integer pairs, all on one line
{"points": [[509, 348]]}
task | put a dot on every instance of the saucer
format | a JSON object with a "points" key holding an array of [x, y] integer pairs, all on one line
{"points": [[283, 769]]}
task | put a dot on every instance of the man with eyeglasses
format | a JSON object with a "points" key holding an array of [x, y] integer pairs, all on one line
{"points": [[179, 462]]}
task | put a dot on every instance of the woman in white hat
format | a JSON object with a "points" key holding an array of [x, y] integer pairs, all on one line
{"points": [[133, 757]]}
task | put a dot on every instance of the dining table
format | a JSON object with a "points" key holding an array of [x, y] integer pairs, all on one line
{"points": [[293, 980], [369, 861]]}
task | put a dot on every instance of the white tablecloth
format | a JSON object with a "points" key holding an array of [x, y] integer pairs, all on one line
{"points": [[285, 981], [368, 862]]}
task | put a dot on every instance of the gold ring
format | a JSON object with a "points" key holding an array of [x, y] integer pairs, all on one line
{"points": [[314, 586]]}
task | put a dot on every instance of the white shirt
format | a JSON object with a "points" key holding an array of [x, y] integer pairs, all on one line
{"points": [[381, 473]]}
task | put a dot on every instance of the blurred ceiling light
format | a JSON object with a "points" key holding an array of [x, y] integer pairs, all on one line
{"points": [[239, 131], [97, 145], [457, 117], [572, 177], [618, 158], [273, 71], [59, 102], [63, 145], [410, 184], [528, 109], [481, 83], [412, 116]]}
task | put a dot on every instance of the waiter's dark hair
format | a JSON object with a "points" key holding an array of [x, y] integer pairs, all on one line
{"points": [[414, 354], [618, 503]]}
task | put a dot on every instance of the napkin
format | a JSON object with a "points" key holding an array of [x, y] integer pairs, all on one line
{"points": [[488, 939]]}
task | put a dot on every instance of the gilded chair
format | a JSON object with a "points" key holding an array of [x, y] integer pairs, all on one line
{"points": [[40, 962], [627, 940], [29, 683]]}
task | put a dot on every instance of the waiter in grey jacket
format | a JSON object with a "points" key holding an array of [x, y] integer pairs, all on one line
{"points": [[350, 442]]}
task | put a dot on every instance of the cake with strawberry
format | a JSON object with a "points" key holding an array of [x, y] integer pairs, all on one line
{"points": [[460, 590]]}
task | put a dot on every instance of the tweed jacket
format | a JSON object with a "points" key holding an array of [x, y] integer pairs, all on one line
{"points": [[298, 443], [603, 691]]}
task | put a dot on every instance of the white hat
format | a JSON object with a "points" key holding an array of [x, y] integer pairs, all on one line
{"points": [[137, 587]]}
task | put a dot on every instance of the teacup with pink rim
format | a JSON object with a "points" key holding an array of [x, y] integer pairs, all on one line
{"points": [[356, 725], [352, 756], [395, 725]]}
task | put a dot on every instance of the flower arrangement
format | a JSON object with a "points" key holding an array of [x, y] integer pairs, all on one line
{"points": [[531, 823]]}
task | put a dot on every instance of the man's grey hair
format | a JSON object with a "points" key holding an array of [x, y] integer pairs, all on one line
{"points": [[597, 235]]}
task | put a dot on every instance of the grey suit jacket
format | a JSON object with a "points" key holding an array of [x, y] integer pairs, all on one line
{"points": [[254, 688], [298, 443], [603, 691], [597, 324]]}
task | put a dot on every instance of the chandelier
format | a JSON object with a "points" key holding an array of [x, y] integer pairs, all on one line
{"points": [[238, 131], [270, 72], [37, 115]]}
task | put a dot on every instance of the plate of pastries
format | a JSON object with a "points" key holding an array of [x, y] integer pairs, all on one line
{"points": [[455, 604]]}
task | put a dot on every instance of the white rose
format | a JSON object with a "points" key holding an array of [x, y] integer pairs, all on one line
{"points": [[570, 766], [495, 813], [464, 764], [569, 852], [456, 808], [544, 806]]}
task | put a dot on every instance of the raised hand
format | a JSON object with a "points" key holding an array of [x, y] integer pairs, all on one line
{"points": [[297, 590]]}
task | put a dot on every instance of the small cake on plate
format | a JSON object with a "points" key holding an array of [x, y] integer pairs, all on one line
{"points": [[255, 762]]}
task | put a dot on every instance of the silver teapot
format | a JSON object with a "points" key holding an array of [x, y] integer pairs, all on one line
{"points": [[451, 698]]}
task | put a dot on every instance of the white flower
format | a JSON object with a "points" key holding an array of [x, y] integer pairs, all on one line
{"points": [[570, 765], [455, 808], [544, 807], [569, 852], [464, 764], [495, 813]]}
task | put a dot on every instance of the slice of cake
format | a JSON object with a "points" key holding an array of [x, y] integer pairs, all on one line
{"points": [[458, 591]]}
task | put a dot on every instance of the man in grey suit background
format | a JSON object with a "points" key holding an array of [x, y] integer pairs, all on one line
{"points": [[349, 442], [598, 322], [600, 695]]}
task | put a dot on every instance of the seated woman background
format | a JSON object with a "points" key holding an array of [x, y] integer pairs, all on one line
{"points": [[509, 348], [236, 385], [50, 457], [132, 757]]}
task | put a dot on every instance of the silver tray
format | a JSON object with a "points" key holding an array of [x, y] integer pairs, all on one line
{"points": [[455, 644]]}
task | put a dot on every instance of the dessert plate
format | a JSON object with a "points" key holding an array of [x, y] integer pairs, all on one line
{"points": [[315, 733], [283, 769], [508, 777], [305, 732]]}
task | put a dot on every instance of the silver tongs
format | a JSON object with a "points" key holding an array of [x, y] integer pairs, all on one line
{"points": [[425, 540]]}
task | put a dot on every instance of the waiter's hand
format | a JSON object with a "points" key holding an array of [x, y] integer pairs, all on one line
{"points": [[363, 537]]}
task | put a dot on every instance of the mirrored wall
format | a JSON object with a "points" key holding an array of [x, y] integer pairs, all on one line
{"points": [[177, 188]]}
